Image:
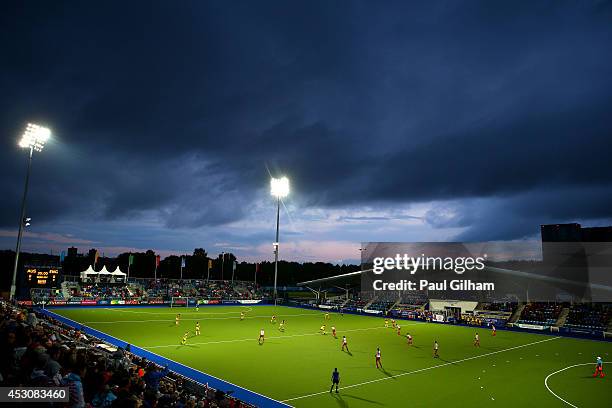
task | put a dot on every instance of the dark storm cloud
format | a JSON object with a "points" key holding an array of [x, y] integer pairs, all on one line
{"points": [[179, 108]]}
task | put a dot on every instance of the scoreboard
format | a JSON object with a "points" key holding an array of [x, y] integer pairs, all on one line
{"points": [[42, 276]]}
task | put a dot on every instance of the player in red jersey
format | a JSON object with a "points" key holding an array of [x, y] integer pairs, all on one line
{"points": [[599, 368], [399, 330], [334, 331], [493, 330]]}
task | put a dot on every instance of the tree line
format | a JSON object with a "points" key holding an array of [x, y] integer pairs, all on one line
{"points": [[196, 266]]}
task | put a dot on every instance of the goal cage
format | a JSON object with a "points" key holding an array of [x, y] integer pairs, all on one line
{"points": [[182, 301]]}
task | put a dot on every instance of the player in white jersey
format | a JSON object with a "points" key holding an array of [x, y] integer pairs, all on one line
{"points": [[378, 362], [409, 339], [261, 336], [476, 340], [344, 344]]}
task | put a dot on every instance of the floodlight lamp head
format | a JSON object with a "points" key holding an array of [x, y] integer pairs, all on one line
{"points": [[279, 187], [35, 137]]}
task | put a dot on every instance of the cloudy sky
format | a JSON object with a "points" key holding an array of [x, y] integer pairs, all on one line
{"points": [[395, 121]]}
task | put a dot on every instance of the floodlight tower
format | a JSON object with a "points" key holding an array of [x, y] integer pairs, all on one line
{"points": [[34, 138], [279, 188]]}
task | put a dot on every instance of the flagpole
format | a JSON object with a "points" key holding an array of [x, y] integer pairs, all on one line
{"points": [[222, 264], [255, 274], [208, 272]]}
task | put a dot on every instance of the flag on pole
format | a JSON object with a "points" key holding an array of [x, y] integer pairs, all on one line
{"points": [[62, 256], [96, 256], [156, 265], [131, 260], [210, 264], [182, 261], [234, 266]]}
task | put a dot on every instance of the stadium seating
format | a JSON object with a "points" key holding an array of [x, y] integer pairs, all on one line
{"points": [[38, 351], [589, 317], [157, 289], [541, 313]]}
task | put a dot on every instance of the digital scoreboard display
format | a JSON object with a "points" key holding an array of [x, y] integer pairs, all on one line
{"points": [[42, 277]]}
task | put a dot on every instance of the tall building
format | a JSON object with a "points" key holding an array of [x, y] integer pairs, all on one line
{"points": [[72, 252], [561, 232], [597, 234], [578, 255], [574, 232]]}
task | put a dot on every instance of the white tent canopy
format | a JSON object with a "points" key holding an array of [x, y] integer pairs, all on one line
{"points": [[117, 272], [88, 272], [104, 271], [91, 273]]}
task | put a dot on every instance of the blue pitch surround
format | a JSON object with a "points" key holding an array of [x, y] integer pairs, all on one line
{"points": [[241, 393]]}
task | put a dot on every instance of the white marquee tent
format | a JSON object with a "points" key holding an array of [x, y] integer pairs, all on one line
{"points": [[90, 273]]}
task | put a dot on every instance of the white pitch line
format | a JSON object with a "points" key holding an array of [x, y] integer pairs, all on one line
{"points": [[424, 369], [194, 319], [556, 372], [174, 313], [255, 339]]}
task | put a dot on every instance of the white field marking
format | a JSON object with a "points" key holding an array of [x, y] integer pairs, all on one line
{"points": [[193, 319], [558, 371], [117, 310], [77, 324], [255, 339], [425, 369]]}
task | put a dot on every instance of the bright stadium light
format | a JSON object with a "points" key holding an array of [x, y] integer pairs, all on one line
{"points": [[279, 188], [34, 138]]}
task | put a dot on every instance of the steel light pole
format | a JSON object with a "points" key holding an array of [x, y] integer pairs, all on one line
{"points": [[34, 138], [279, 188]]}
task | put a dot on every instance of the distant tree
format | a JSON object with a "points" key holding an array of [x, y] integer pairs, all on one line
{"points": [[200, 252]]}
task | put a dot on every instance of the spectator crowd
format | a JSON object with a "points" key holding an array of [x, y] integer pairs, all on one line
{"points": [[40, 351]]}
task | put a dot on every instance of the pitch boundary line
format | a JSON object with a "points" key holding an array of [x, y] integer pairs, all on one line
{"points": [[556, 372], [275, 337], [423, 369]]}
